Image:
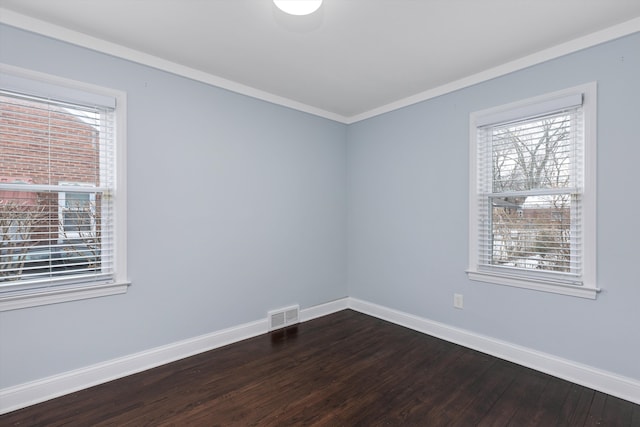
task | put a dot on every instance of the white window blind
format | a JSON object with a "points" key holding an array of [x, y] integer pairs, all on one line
{"points": [[57, 178], [531, 192]]}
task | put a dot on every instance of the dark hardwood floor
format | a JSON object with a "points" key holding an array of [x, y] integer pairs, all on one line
{"points": [[345, 369]]}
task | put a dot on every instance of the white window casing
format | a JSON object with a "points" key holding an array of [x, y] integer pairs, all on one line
{"points": [[63, 190], [532, 193]]}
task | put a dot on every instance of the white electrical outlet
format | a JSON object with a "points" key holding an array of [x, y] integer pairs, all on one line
{"points": [[458, 301]]}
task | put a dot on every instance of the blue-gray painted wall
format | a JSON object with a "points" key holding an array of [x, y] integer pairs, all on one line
{"points": [[281, 207], [235, 207], [408, 175]]}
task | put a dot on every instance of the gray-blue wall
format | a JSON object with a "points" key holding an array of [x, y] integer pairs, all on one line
{"points": [[408, 215], [236, 207], [280, 207]]}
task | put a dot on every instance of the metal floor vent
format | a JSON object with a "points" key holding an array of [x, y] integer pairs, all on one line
{"points": [[284, 317]]}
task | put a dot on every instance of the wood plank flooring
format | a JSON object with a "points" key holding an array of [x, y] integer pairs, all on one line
{"points": [[345, 369]]}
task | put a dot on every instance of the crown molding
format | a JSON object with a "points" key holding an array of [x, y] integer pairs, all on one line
{"points": [[615, 32], [57, 32], [80, 39]]}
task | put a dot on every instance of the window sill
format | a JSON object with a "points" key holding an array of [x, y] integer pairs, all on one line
{"points": [[60, 294], [538, 285]]}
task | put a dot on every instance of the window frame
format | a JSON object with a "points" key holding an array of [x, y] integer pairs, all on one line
{"points": [[45, 85], [550, 283]]}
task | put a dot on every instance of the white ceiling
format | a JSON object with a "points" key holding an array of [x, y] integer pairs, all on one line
{"points": [[350, 60]]}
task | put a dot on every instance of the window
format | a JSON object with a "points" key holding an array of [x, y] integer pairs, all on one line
{"points": [[532, 193], [62, 192]]}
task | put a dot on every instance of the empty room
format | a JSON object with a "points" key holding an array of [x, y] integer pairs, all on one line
{"points": [[319, 212]]}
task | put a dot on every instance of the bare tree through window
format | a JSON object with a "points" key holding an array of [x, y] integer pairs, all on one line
{"points": [[531, 193]]}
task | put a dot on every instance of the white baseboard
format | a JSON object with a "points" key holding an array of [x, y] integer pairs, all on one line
{"points": [[324, 309], [597, 379], [23, 395]]}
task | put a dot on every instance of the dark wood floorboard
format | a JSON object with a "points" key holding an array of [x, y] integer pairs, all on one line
{"points": [[345, 369]]}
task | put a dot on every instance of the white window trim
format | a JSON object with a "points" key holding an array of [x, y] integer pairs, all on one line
{"points": [[15, 77], [588, 289]]}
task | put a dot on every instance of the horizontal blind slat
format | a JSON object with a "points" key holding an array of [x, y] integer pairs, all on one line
{"points": [[55, 192], [528, 191]]}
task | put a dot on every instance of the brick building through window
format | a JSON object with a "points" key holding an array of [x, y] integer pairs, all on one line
{"points": [[42, 148]]}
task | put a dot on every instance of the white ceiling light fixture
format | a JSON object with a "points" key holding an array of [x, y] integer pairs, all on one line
{"points": [[298, 7]]}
